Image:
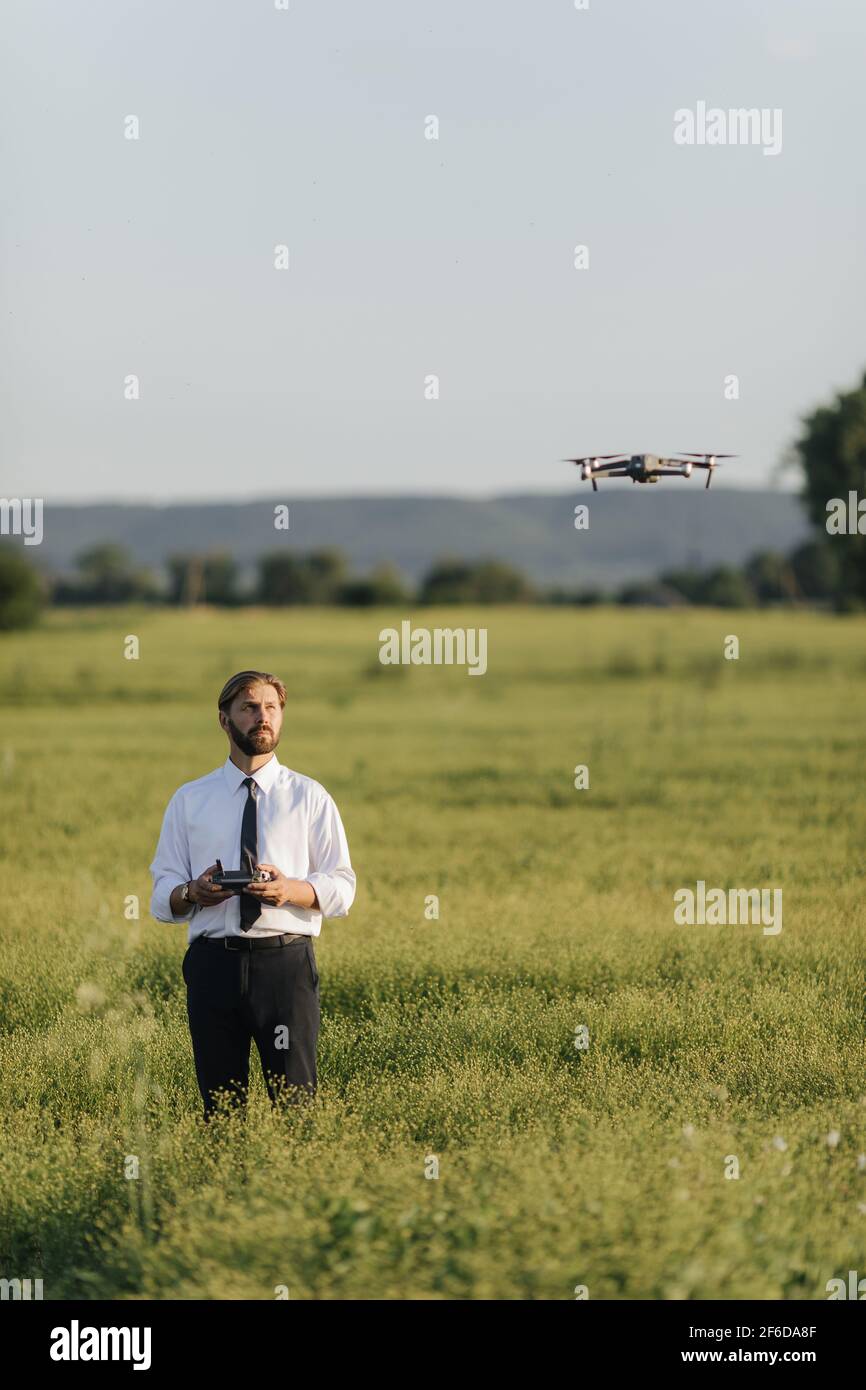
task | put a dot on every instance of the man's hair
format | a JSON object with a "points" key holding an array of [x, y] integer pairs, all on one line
{"points": [[242, 680]]}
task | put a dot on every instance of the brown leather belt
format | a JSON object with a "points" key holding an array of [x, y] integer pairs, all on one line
{"points": [[253, 943]]}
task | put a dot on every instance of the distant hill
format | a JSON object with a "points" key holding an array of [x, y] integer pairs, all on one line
{"points": [[634, 532]]}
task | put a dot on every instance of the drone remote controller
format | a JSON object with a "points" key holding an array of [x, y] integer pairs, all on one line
{"points": [[236, 880]]}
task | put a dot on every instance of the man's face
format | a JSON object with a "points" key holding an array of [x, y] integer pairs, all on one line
{"points": [[254, 720]]}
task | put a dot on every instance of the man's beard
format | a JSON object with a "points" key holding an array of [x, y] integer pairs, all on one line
{"points": [[255, 742]]}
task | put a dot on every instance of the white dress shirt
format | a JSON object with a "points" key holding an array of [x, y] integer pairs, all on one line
{"points": [[299, 831]]}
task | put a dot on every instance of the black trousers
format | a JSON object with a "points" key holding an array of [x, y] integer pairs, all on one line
{"points": [[267, 994]]}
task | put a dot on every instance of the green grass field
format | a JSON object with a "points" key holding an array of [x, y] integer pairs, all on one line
{"points": [[455, 1038]]}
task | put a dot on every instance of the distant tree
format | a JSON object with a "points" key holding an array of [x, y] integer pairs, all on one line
{"points": [[815, 566], [496, 582], [283, 578], [485, 581], [651, 593], [832, 454], [691, 583], [727, 588], [106, 574], [384, 586], [21, 591], [287, 579], [770, 576], [585, 598], [185, 577], [448, 581], [327, 570], [202, 579], [220, 579]]}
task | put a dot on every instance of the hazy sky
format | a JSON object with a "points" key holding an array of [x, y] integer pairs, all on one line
{"points": [[410, 257]]}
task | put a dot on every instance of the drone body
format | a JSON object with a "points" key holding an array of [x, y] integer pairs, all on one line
{"points": [[645, 468]]}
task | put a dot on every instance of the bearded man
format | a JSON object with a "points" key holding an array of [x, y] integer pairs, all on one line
{"points": [[250, 968]]}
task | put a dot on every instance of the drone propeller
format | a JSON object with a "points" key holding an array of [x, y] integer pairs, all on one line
{"points": [[707, 461], [705, 454], [594, 458]]}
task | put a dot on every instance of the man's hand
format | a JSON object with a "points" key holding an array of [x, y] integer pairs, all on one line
{"points": [[203, 892], [282, 891]]}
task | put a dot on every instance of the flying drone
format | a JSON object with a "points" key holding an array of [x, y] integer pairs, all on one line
{"points": [[646, 468]]}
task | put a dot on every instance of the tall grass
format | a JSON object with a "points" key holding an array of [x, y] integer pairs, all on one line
{"points": [[451, 1041]]}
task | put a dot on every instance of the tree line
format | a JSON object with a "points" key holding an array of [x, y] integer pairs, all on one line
{"points": [[106, 574], [828, 569]]}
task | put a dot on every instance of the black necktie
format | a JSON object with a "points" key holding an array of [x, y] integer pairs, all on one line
{"points": [[250, 906]]}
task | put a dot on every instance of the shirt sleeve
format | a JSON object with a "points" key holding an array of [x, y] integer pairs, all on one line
{"points": [[171, 866], [332, 874]]}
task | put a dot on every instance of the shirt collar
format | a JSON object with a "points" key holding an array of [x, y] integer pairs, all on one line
{"points": [[264, 777]]}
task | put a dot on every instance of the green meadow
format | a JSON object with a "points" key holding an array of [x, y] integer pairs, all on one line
{"points": [[450, 1043]]}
